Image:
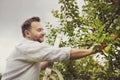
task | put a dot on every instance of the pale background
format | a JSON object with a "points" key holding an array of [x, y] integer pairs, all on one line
{"points": [[12, 15]]}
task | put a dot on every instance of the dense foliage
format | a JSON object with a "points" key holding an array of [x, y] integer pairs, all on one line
{"points": [[98, 23]]}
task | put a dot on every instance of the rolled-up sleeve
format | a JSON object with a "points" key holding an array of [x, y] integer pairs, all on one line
{"points": [[57, 54], [35, 51]]}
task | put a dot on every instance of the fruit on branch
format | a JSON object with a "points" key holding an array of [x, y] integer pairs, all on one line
{"points": [[113, 36], [103, 44], [107, 49], [113, 1]]}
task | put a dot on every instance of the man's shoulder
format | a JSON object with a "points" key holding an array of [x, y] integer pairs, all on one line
{"points": [[27, 42], [30, 44]]}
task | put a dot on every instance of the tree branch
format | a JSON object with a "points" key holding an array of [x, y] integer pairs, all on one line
{"points": [[113, 18]]}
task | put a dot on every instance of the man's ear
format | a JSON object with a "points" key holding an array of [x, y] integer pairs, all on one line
{"points": [[27, 33]]}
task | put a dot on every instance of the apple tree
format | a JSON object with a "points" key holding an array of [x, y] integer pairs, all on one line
{"points": [[99, 23]]}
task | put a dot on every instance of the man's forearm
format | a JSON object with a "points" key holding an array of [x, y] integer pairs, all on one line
{"points": [[79, 53]]}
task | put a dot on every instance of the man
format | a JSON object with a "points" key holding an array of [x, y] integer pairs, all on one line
{"points": [[27, 59]]}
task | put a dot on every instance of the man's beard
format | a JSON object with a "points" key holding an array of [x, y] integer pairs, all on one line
{"points": [[38, 40]]}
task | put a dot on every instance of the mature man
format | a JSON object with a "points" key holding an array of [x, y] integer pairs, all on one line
{"points": [[27, 59]]}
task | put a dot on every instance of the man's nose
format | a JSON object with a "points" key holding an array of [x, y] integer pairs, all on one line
{"points": [[43, 32]]}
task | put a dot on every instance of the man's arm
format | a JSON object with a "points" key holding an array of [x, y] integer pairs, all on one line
{"points": [[80, 53]]}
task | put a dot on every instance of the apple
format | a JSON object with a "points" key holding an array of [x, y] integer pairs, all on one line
{"points": [[113, 36], [113, 1], [107, 49], [103, 44]]}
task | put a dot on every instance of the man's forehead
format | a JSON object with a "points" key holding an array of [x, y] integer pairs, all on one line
{"points": [[36, 24]]}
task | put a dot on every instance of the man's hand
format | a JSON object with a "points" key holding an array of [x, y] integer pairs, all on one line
{"points": [[45, 64], [96, 48]]}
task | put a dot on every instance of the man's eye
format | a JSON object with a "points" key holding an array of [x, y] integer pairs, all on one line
{"points": [[40, 30]]}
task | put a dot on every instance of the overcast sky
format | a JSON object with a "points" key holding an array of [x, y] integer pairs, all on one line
{"points": [[13, 13]]}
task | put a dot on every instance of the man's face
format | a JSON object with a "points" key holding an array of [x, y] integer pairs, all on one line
{"points": [[36, 32]]}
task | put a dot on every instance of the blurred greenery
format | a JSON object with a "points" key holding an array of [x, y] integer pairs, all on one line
{"points": [[99, 22]]}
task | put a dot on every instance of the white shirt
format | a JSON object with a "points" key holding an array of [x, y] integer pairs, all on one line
{"points": [[24, 62]]}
